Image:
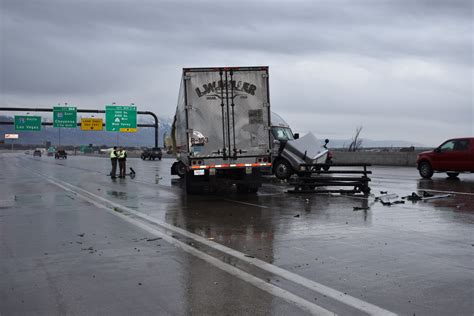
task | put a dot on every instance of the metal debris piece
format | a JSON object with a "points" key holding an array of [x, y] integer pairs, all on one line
{"points": [[153, 239], [425, 196]]}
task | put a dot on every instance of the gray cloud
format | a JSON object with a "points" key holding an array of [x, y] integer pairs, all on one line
{"points": [[332, 59]]}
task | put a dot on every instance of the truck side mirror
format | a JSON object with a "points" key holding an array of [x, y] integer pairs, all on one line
{"points": [[296, 135], [326, 141]]}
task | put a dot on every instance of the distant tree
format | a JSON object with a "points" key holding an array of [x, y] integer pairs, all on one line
{"points": [[356, 142]]}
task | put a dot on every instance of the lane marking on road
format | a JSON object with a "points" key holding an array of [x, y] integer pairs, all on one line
{"points": [[447, 192], [295, 278], [246, 203], [259, 283]]}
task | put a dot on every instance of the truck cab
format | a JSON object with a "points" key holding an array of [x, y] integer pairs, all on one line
{"points": [[289, 151]]}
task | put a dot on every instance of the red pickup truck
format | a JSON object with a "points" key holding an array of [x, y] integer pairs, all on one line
{"points": [[453, 156]]}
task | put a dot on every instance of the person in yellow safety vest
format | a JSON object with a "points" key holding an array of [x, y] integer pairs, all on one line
{"points": [[122, 160], [113, 160]]}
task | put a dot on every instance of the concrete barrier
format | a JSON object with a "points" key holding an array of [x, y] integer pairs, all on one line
{"points": [[377, 158]]}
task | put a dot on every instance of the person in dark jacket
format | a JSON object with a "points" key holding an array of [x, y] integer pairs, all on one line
{"points": [[122, 160], [113, 160]]}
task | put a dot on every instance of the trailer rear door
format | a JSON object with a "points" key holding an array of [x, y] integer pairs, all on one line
{"points": [[228, 112]]}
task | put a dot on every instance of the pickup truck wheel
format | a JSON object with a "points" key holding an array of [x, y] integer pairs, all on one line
{"points": [[426, 171], [452, 175], [143, 157], [282, 170]]}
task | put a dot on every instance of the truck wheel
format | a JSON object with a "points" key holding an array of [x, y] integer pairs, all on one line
{"points": [[426, 171], [326, 168], [282, 170], [180, 169], [190, 185], [143, 157], [452, 175]]}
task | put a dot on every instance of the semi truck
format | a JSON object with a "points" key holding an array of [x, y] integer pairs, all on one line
{"points": [[221, 132]]}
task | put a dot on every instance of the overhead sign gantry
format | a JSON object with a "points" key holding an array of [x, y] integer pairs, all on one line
{"points": [[34, 123]]}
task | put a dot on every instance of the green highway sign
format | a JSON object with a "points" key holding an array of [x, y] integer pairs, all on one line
{"points": [[120, 118], [27, 123], [65, 116]]}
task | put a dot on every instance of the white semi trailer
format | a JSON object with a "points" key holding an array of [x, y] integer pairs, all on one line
{"points": [[221, 133]]}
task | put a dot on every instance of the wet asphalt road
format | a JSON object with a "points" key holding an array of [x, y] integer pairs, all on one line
{"points": [[73, 241]]}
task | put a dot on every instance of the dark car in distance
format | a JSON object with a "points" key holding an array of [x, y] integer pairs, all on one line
{"points": [[152, 154], [453, 157], [37, 153]]}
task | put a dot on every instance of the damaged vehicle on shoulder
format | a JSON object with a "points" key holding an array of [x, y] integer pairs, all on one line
{"points": [[290, 152], [454, 156]]}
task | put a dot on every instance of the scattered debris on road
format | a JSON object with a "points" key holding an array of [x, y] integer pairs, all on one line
{"points": [[425, 196]]}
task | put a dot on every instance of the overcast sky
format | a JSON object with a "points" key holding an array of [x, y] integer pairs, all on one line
{"points": [[401, 69]]}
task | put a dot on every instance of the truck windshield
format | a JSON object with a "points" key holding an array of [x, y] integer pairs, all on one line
{"points": [[282, 133]]}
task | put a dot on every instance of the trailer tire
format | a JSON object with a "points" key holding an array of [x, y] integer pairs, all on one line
{"points": [[282, 169], [180, 169], [190, 185]]}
